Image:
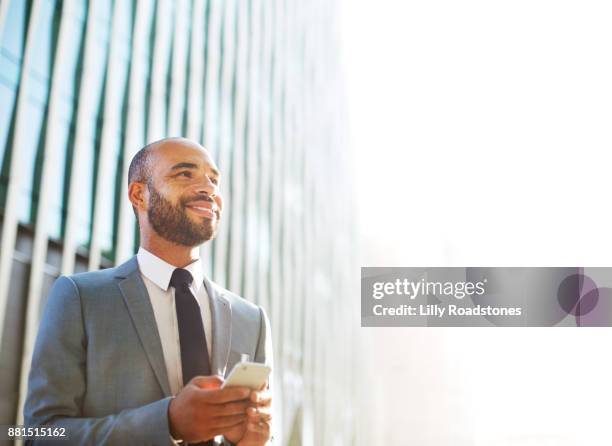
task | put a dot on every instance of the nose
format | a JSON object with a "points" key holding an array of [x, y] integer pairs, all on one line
{"points": [[207, 187]]}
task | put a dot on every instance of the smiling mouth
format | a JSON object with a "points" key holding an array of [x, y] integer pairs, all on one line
{"points": [[203, 211]]}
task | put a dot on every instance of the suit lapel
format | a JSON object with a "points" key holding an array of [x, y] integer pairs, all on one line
{"points": [[221, 314], [138, 303]]}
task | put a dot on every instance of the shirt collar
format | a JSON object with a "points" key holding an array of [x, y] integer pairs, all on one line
{"points": [[159, 271]]}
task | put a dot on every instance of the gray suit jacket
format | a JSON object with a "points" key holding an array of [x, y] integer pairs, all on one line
{"points": [[98, 368]]}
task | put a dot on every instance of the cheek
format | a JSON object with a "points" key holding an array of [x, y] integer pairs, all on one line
{"points": [[219, 202], [170, 195]]}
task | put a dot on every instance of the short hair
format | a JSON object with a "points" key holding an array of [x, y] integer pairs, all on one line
{"points": [[139, 171]]}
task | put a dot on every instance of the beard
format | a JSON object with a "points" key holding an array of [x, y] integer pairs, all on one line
{"points": [[172, 222]]}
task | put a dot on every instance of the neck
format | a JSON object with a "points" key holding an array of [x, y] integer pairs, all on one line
{"points": [[176, 255]]}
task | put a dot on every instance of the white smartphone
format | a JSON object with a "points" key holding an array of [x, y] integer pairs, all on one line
{"points": [[248, 374]]}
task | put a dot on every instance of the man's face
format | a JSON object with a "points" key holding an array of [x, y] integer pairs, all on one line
{"points": [[184, 204]]}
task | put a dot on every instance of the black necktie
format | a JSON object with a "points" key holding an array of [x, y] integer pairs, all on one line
{"points": [[194, 352]]}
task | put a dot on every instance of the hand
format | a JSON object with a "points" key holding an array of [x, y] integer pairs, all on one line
{"points": [[256, 430], [202, 410]]}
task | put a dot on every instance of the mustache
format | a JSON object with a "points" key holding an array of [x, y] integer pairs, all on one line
{"points": [[197, 198]]}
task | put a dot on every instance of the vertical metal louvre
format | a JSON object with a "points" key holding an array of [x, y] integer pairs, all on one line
{"points": [[87, 83]]}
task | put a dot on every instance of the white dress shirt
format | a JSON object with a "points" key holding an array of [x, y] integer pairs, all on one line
{"points": [[156, 274]]}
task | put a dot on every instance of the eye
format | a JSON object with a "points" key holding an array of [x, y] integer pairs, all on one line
{"points": [[185, 173], [214, 180]]}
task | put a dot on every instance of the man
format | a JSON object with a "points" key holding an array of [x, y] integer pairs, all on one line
{"points": [[136, 354]]}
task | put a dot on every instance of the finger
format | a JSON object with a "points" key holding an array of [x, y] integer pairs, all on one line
{"points": [[236, 431], [222, 396], [227, 422], [256, 415], [234, 408], [259, 409], [261, 397], [207, 382], [262, 428], [264, 403]]}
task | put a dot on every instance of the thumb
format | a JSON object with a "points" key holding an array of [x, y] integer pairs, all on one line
{"points": [[207, 382]]}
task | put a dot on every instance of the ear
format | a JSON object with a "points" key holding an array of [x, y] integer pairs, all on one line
{"points": [[137, 194]]}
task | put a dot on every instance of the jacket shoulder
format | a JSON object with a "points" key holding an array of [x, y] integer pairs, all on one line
{"points": [[99, 281], [93, 279]]}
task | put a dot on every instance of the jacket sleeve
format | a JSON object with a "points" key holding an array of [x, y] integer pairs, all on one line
{"points": [[57, 383], [264, 354]]}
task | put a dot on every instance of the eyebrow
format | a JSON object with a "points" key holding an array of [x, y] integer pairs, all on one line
{"points": [[191, 166]]}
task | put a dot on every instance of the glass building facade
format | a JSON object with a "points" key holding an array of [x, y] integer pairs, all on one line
{"points": [[85, 84]]}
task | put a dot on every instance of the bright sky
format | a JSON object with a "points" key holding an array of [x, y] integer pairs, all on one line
{"points": [[482, 132]]}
